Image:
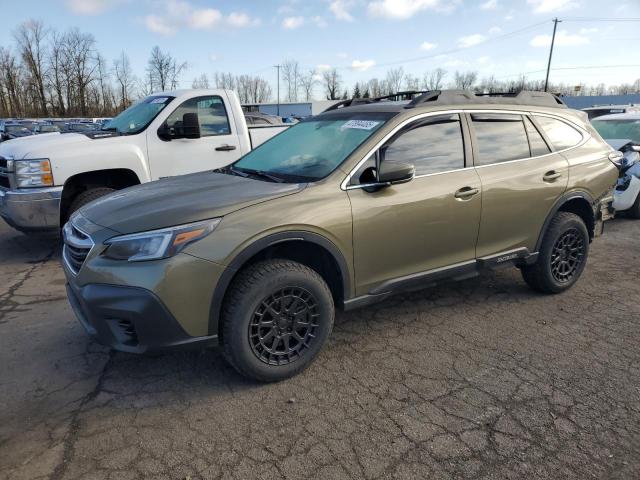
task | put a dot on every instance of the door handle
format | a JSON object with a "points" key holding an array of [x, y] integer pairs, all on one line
{"points": [[225, 148], [551, 176], [465, 193]]}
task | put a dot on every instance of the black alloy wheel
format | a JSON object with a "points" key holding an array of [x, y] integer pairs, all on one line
{"points": [[283, 326], [567, 255]]}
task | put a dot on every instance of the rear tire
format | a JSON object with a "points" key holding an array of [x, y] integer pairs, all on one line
{"points": [[277, 316], [88, 196], [562, 256]]}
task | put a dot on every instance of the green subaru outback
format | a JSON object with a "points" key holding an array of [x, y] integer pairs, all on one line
{"points": [[342, 210]]}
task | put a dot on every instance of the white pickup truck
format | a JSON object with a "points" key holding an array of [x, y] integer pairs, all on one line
{"points": [[45, 178]]}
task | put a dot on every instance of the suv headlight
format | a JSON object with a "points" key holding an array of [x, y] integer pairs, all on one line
{"points": [[33, 173], [157, 244]]}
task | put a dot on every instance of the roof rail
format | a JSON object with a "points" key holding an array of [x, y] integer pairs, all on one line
{"points": [[408, 95], [525, 97]]}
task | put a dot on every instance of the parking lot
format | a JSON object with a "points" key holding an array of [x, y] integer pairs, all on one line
{"points": [[479, 379]]}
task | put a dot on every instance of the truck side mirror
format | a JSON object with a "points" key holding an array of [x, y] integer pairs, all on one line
{"points": [[165, 133], [190, 125]]}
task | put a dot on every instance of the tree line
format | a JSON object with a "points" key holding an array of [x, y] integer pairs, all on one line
{"points": [[47, 73]]}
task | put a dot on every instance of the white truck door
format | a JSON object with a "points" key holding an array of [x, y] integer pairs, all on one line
{"points": [[217, 146]]}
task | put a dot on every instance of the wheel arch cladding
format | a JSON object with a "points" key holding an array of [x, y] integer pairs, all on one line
{"points": [[579, 203], [310, 249]]}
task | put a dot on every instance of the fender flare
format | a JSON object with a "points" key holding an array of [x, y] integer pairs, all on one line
{"points": [[252, 249], [566, 197]]}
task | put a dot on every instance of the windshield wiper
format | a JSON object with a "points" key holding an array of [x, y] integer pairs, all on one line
{"points": [[258, 173]]}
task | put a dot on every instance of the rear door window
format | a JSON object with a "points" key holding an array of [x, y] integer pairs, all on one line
{"points": [[499, 138], [560, 134]]}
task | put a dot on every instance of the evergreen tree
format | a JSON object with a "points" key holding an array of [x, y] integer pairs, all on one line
{"points": [[356, 91]]}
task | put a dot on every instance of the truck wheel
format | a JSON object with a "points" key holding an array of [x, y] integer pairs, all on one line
{"points": [[88, 196], [562, 257], [277, 316]]}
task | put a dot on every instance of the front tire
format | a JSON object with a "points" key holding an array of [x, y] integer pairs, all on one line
{"points": [[86, 197], [277, 316], [562, 256]]}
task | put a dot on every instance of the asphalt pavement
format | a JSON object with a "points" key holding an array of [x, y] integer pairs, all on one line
{"points": [[478, 379]]}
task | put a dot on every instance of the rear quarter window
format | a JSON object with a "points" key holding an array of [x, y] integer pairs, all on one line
{"points": [[560, 134]]}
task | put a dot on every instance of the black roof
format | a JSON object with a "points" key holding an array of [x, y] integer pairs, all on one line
{"points": [[390, 103]]}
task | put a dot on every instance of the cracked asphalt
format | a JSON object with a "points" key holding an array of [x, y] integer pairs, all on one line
{"points": [[478, 379]]}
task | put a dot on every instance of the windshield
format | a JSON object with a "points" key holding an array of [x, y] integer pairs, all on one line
{"points": [[138, 116], [618, 129], [313, 148]]}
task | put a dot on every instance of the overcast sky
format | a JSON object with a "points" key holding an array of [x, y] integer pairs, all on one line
{"points": [[362, 38]]}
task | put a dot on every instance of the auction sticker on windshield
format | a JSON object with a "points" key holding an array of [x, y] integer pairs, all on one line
{"points": [[361, 124], [159, 100]]}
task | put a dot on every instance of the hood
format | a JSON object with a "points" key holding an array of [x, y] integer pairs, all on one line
{"points": [[179, 200], [39, 145], [618, 143]]}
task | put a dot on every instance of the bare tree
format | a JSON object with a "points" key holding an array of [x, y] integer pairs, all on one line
{"points": [[124, 78], [164, 70], [201, 82], [291, 78], [307, 82], [80, 54], [411, 83], [395, 78], [30, 38], [224, 80], [433, 80], [10, 73], [332, 81], [465, 80], [56, 74]]}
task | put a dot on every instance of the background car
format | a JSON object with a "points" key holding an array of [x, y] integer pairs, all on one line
{"points": [[599, 110], [10, 131], [257, 119], [39, 128]]}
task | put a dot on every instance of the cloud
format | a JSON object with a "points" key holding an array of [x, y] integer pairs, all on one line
{"points": [[495, 30], [323, 67], [160, 25], [471, 40], [401, 9], [428, 46], [362, 65], [342, 55], [489, 5], [483, 60], [90, 7], [586, 31], [239, 20], [213, 57], [204, 19], [319, 21], [548, 6], [340, 9], [291, 23], [563, 39]]}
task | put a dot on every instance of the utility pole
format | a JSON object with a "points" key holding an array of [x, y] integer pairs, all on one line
{"points": [[553, 40], [278, 106]]}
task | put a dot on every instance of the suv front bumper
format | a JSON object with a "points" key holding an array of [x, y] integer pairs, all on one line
{"points": [[34, 209], [130, 319]]}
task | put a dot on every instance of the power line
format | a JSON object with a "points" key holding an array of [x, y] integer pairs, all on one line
{"points": [[600, 19], [584, 67]]}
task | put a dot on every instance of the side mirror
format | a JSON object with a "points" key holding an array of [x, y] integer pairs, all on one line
{"points": [[165, 133], [190, 125], [393, 173]]}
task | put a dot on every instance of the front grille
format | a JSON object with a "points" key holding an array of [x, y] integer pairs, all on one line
{"points": [[4, 181], [77, 246]]}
